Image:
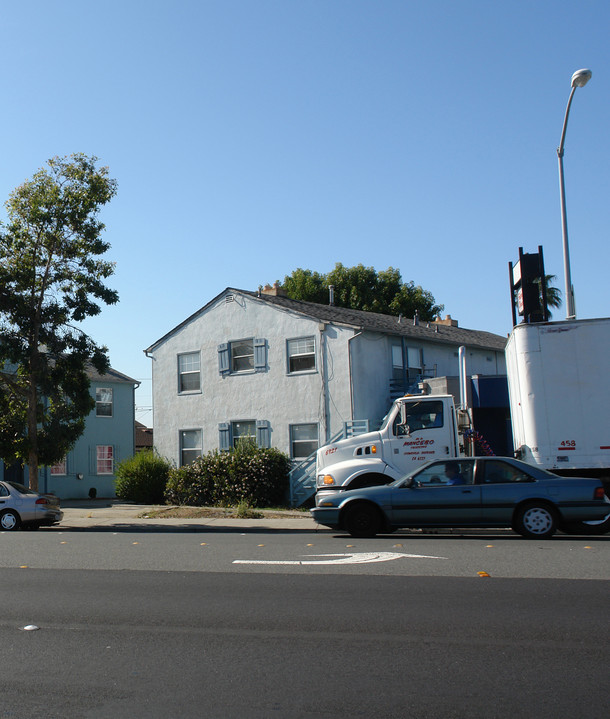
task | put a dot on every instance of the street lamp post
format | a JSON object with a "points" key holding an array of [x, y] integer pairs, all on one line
{"points": [[579, 79]]}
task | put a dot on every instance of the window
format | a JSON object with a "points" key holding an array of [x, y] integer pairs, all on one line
{"points": [[301, 354], [241, 356], [445, 474], [59, 469], [189, 371], [105, 459], [103, 402], [498, 472], [231, 433], [243, 430], [191, 445], [303, 440], [418, 416], [413, 357]]}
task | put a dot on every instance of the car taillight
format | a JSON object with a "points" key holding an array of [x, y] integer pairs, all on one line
{"points": [[42, 500], [599, 493]]}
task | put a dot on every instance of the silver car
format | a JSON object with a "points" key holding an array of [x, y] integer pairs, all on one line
{"points": [[471, 492], [22, 507]]}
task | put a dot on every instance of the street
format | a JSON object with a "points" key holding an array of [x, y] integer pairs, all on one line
{"points": [[184, 624]]}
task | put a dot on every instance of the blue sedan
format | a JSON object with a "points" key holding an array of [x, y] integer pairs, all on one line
{"points": [[471, 492]]}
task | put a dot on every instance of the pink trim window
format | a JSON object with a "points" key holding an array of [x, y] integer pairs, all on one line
{"points": [[105, 459]]}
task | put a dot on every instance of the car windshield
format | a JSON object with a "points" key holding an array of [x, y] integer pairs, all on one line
{"points": [[20, 488]]}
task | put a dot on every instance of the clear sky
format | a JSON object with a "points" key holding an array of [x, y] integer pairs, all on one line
{"points": [[252, 137]]}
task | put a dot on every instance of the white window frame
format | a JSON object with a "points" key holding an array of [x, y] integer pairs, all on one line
{"points": [[104, 459], [196, 450], [60, 469], [234, 357], [192, 370], [236, 436], [294, 441], [300, 351], [99, 402]]}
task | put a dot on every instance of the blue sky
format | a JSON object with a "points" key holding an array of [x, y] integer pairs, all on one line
{"points": [[252, 137]]}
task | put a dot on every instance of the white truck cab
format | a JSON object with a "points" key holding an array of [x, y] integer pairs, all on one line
{"points": [[417, 428]]}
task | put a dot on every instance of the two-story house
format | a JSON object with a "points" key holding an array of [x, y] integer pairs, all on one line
{"points": [[291, 374], [108, 438]]}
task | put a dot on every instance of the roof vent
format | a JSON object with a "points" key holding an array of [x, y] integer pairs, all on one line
{"points": [[331, 295]]}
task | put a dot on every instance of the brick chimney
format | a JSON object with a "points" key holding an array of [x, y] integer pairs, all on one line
{"points": [[275, 291], [447, 322]]}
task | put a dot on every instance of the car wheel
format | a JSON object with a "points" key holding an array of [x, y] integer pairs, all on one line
{"points": [[362, 520], [535, 521], [599, 526], [9, 521]]}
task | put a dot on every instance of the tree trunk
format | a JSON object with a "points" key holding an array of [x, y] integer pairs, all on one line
{"points": [[33, 436]]}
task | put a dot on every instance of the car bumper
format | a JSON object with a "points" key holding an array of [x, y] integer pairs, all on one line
{"points": [[49, 517], [328, 516]]}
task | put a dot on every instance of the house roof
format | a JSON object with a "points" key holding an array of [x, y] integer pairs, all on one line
{"points": [[111, 375], [361, 321]]}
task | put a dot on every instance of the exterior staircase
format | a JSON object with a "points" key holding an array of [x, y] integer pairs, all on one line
{"points": [[302, 476]]}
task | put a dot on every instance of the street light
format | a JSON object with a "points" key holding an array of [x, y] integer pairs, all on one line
{"points": [[579, 79]]}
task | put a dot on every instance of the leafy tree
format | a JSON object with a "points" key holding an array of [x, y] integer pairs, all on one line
{"points": [[363, 288], [51, 276]]}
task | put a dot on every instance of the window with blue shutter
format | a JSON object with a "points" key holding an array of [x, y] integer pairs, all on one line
{"points": [[224, 436], [263, 434], [223, 358]]}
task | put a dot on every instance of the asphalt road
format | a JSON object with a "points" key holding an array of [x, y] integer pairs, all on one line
{"points": [[390, 637]]}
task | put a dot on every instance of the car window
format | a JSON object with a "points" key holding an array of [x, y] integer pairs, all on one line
{"points": [[445, 474], [498, 472], [3, 491], [20, 488]]}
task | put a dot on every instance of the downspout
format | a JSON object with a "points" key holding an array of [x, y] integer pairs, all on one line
{"points": [[350, 376]]}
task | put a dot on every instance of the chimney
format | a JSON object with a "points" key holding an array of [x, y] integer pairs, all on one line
{"points": [[275, 291], [331, 295], [447, 322]]}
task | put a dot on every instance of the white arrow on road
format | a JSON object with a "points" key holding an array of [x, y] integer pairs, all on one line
{"points": [[360, 558]]}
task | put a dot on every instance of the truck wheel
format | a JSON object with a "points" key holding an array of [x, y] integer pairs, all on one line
{"points": [[362, 520], [9, 521], [535, 521], [596, 527]]}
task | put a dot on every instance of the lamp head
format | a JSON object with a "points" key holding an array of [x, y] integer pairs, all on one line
{"points": [[581, 77]]}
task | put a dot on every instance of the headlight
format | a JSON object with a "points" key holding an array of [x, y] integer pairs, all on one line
{"points": [[328, 479]]}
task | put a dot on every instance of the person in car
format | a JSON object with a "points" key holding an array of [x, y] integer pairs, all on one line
{"points": [[452, 472]]}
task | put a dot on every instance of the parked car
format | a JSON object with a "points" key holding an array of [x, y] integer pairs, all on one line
{"points": [[22, 507], [472, 492]]}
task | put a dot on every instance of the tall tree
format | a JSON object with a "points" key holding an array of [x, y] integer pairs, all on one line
{"points": [[363, 288], [51, 277]]}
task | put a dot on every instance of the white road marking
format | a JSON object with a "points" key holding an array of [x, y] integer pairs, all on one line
{"points": [[359, 558]]}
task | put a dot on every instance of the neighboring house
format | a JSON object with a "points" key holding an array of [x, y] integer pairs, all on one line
{"points": [[291, 374], [144, 437], [109, 437]]}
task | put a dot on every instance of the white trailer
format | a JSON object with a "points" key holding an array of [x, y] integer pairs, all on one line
{"points": [[559, 389]]}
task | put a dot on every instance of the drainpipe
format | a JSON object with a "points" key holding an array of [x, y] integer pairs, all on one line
{"points": [[463, 378], [351, 378]]}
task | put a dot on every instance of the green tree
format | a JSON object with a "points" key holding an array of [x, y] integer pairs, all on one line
{"points": [[363, 288], [51, 278], [553, 294]]}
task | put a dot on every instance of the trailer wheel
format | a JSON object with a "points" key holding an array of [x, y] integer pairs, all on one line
{"points": [[362, 520], [535, 520]]}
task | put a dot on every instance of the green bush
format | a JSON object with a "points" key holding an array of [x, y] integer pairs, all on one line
{"points": [[142, 478], [246, 474]]}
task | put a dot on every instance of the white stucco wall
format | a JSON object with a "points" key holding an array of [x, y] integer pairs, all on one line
{"points": [[274, 395]]}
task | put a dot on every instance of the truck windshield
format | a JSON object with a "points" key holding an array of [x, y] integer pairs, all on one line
{"points": [[418, 416]]}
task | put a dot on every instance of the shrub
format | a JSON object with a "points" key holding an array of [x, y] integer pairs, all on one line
{"points": [[142, 478], [246, 474]]}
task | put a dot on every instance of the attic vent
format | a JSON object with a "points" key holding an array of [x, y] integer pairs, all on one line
{"points": [[229, 298]]}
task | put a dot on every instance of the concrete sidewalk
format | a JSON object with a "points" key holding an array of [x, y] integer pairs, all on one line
{"points": [[108, 513]]}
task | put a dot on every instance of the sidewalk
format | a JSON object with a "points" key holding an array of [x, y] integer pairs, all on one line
{"points": [[108, 513]]}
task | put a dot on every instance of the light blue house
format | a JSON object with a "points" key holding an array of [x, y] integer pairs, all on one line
{"points": [[109, 437]]}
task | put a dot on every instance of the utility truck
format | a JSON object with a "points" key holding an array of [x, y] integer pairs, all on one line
{"points": [[559, 389]]}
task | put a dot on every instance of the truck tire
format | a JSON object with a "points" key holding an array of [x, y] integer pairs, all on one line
{"points": [[362, 520], [535, 520]]}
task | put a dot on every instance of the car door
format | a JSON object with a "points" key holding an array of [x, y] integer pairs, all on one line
{"points": [[503, 485], [431, 499]]}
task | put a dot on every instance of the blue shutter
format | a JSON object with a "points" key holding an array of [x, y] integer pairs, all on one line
{"points": [[260, 355], [224, 436], [223, 358], [263, 434]]}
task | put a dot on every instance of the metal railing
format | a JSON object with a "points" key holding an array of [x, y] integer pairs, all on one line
{"points": [[302, 476]]}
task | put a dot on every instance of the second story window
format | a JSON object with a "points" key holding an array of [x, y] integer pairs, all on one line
{"points": [[103, 402], [189, 371], [301, 354], [242, 356]]}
